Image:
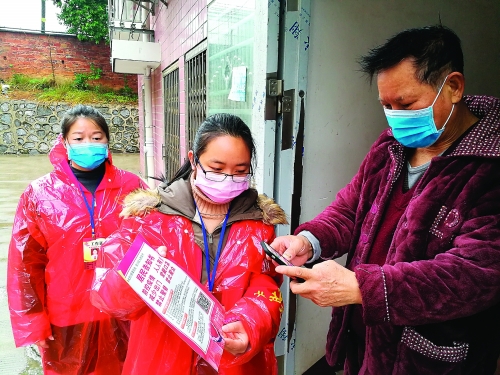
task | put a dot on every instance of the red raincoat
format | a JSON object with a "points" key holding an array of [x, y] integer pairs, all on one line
{"points": [[245, 284], [48, 287]]}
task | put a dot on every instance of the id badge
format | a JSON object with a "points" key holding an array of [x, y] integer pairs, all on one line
{"points": [[91, 250]]}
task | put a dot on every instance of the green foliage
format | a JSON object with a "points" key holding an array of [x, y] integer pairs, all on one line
{"points": [[22, 82], [88, 19], [66, 91], [81, 79], [126, 90], [68, 94]]}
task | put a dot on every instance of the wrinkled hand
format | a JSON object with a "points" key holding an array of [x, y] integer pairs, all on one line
{"points": [[162, 250], [44, 343], [297, 249], [235, 338], [326, 284]]}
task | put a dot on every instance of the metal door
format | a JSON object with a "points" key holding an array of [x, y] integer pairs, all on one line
{"points": [[246, 38], [290, 99], [171, 145], [195, 71]]}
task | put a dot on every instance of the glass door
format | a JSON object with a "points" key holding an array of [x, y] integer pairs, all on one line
{"points": [[242, 50]]}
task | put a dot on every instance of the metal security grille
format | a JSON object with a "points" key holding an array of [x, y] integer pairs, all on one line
{"points": [[196, 94], [171, 146]]}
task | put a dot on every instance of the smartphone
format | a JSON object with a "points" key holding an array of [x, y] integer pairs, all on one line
{"points": [[277, 257]]}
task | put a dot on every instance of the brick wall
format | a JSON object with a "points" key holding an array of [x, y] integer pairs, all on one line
{"points": [[30, 54]]}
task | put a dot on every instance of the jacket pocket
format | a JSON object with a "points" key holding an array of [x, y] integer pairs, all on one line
{"points": [[418, 355]]}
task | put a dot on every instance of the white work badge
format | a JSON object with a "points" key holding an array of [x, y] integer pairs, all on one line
{"points": [[91, 250]]}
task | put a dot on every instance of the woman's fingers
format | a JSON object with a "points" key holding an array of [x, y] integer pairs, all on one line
{"points": [[162, 250]]}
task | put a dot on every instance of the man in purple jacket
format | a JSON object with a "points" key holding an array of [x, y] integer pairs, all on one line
{"points": [[420, 222]]}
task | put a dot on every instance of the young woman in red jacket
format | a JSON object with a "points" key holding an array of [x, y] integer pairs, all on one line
{"points": [[61, 220], [210, 222]]}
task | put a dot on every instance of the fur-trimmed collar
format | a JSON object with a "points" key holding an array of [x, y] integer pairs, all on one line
{"points": [[141, 202]]}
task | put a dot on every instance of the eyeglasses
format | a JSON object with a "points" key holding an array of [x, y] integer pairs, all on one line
{"points": [[219, 177]]}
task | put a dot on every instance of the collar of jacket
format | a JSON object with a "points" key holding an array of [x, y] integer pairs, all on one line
{"points": [[177, 199], [482, 141]]}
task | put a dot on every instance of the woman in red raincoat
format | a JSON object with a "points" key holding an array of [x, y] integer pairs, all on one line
{"points": [[60, 222], [209, 222]]}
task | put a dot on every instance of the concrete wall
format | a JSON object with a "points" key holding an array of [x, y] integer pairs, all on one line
{"points": [[35, 55], [31, 128]]}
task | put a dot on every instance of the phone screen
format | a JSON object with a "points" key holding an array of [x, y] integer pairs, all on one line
{"points": [[277, 257]]}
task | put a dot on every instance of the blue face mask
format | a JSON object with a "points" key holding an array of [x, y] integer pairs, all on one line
{"points": [[416, 128], [87, 155]]}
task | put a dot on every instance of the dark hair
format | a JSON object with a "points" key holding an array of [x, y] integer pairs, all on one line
{"points": [[436, 51], [85, 111], [215, 126]]}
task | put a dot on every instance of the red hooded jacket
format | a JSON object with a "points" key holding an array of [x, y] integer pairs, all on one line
{"points": [[46, 280], [245, 282]]}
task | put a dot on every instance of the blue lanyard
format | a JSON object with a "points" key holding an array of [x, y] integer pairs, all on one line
{"points": [[90, 209], [211, 277]]}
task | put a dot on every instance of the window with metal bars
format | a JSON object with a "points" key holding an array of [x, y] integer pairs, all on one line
{"points": [[196, 94], [171, 145]]}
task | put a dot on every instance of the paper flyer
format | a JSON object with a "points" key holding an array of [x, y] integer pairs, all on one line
{"points": [[238, 84], [181, 302]]}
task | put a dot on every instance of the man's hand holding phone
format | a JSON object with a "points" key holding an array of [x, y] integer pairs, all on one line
{"points": [[279, 259], [296, 249]]}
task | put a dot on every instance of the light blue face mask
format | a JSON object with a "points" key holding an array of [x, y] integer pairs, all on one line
{"points": [[87, 155], [416, 128]]}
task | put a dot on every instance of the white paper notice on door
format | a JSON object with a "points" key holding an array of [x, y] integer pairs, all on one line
{"points": [[238, 84]]}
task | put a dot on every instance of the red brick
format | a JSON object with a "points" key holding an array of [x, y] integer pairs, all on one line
{"points": [[28, 53]]}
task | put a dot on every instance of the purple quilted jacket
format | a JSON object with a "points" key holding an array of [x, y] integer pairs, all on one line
{"points": [[433, 307]]}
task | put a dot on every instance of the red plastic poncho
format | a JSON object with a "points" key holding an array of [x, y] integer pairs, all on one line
{"points": [[245, 284], [47, 285]]}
